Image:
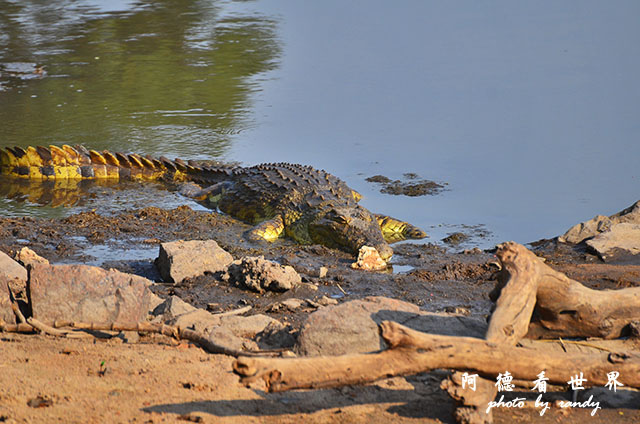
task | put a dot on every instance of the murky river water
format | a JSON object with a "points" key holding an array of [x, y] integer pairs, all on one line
{"points": [[528, 110]]}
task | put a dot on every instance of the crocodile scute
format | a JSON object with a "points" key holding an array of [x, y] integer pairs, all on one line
{"points": [[280, 199]]}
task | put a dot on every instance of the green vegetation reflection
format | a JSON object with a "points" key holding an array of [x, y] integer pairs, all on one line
{"points": [[172, 77]]}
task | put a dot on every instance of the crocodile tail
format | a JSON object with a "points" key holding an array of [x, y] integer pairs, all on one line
{"points": [[79, 163]]}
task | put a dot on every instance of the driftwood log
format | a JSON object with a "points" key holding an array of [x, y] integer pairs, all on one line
{"points": [[508, 324], [80, 329], [413, 352], [565, 307]]}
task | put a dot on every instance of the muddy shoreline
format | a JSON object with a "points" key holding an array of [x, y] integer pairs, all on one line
{"points": [[435, 278]]}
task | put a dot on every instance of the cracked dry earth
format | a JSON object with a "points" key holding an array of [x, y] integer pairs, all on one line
{"points": [[156, 379]]}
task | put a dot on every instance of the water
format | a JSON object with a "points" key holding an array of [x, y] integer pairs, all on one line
{"points": [[529, 111]]}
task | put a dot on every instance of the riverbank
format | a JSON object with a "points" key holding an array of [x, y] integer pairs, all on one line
{"points": [[156, 379]]}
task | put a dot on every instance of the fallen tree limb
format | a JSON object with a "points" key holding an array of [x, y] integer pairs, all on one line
{"points": [[566, 308], [413, 352], [177, 333], [508, 324], [510, 320]]}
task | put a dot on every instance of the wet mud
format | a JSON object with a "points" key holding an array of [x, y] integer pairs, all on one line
{"points": [[434, 277]]}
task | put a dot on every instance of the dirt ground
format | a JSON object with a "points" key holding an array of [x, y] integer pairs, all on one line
{"points": [[45, 379]]}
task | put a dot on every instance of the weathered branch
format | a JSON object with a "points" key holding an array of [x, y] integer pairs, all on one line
{"points": [[413, 352], [510, 320], [566, 308], [171, 331], [509, 323]]}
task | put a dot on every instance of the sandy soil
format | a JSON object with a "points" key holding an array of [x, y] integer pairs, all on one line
{"points": [[44, 379]]}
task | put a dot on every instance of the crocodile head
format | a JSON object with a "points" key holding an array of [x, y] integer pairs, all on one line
{"points": [[349, 228]]}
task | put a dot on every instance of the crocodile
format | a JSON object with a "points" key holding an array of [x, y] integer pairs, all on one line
{"points": [[306, 204]]}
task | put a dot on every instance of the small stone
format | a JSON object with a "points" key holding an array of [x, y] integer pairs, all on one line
{"points": [[130, 337], [249, 326], [40, 402], [293, 304], [214, 307], [27, 256], [458, 310], [154, 302], [197, 320], [289, 304], [172, 307], [369, 260], [322, 272], [326, 301], [191, 417]]}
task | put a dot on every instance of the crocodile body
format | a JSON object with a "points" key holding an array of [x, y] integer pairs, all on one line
{"points": [[300, 202]]}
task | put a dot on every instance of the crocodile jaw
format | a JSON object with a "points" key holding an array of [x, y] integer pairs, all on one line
{"points": [[349, 229]]}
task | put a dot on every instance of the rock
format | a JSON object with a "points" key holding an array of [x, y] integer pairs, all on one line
{"points": [[236, 332], [172, 307], [87, 294], [154, 302], [621, 242], [349, 327], [223, 337], [231, 330], [131, 337], [197, 320], [288, 304], [326, 301], [27, 256], [11, 272], [457, 310], [259, 274], [249, 326], [352, 327], [369, 260], [181, 259], [580, 232]]}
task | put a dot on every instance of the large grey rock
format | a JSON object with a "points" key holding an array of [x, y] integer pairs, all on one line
{"points": [[181, 259], [620, 242], [259, 274], [599, 224], [352, 327], [11, 272], [87, 293]]}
